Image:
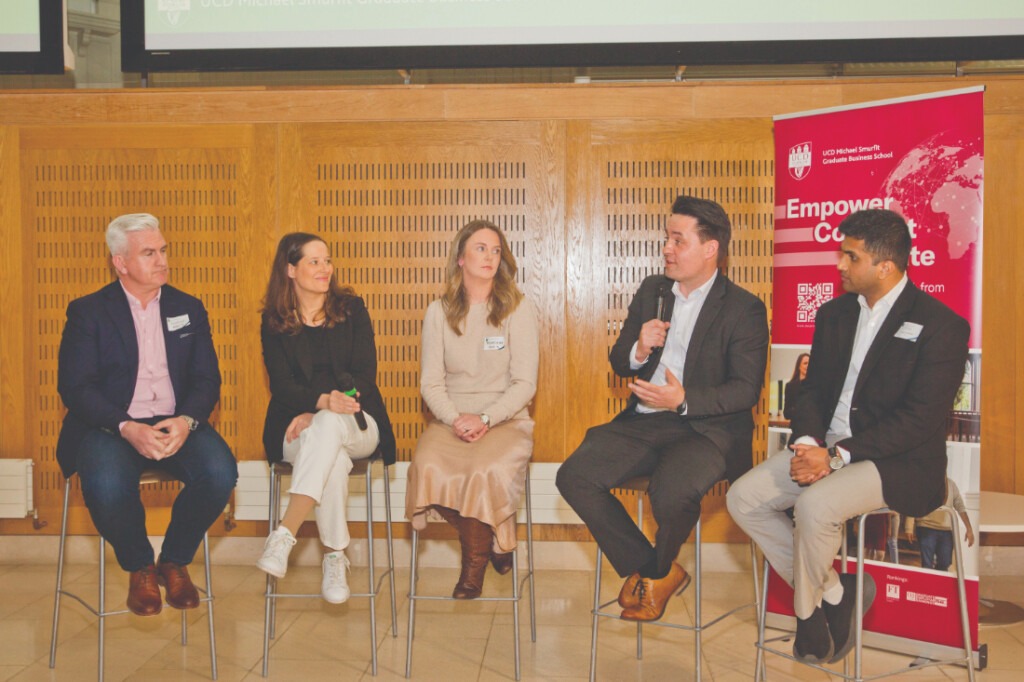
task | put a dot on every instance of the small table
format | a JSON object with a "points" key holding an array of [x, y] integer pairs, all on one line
{"points": [[1000, 513]]}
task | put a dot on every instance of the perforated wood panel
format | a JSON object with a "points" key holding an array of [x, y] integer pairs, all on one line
{"points": [[72, 186], [632, 186], [390, 200]]}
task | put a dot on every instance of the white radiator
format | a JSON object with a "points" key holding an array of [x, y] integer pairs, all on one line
{"points": [[16, 488], [251, 495]]}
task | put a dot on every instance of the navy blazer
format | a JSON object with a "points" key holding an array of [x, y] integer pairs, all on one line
{"points": [[98, 363], [904, 392], [725, 363], [289, 361]]}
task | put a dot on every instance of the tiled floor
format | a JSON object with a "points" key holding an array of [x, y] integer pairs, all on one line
{"points": [[454, 641]]}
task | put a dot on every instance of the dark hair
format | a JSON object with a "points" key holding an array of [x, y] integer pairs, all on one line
{"points": [[885, 234], [505, 295], [796, 368], [712, 222], [280, 304]]}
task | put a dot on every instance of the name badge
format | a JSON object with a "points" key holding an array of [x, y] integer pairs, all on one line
{"points": [[909, 331], [176, 323], [494, 342]]}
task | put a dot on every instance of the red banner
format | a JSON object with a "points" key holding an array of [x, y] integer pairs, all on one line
{"points": [[922, 157]]}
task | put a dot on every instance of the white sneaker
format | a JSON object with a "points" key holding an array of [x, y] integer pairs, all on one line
{"points": [[334, 588], [275, 552]]}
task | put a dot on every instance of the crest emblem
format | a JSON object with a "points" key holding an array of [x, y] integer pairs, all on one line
{"points": [[800, 160]]}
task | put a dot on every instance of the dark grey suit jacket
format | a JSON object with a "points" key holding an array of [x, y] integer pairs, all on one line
{"points": [[904, 391], [725, 362]]}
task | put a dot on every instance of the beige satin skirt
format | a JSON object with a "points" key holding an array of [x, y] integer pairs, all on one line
{"points": [[482, 480]]}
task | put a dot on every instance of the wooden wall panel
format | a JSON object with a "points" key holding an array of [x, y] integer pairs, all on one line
{"points": [[389, 199], [197, 182], [638, 169], [580, 176]]}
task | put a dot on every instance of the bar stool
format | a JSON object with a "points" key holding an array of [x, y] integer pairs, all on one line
{"points": [[517, 589], [149, 477], [763, 645], [360, 466], [639, 485]]}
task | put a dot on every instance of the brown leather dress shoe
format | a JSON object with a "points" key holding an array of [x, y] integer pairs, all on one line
{"points": [[143, 592], [629, 594], [181, 593], [654, 594]]}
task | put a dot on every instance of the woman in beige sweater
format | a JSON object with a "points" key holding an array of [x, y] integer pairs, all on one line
{"points": [[478, 374]]}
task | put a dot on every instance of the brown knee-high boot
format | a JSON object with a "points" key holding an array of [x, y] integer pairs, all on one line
{"points": [[476, 538]]}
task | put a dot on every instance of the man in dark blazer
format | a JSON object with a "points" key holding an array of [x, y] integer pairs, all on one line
{"points": [[697, 346], [868, 428], [138, 374]]}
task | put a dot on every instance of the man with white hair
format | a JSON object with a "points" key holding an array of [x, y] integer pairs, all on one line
{"points": [[138, 374]]}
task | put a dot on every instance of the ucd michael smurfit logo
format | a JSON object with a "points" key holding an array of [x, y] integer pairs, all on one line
{"points": [[173, 12], [800, 160]]}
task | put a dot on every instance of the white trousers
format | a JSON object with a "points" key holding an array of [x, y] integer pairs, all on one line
{"points": [[321, 459], [802, 550]]}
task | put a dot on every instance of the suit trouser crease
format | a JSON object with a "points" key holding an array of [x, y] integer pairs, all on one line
{"points": [[683, 466], [802, 550], [109, 469], [321, 459]]}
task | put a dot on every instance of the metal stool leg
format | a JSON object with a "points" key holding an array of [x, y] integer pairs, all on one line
{"points": [[209, 606], [391, 549], [965, 623], [760, 673], [60, 574], [698, 623], [412, 604], [529, 558], [269, 612], [369, 555], [102, 605], [596, 617]]}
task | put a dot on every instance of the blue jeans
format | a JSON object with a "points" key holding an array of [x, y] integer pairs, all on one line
{"points": [[109, 469], [936, 548]]}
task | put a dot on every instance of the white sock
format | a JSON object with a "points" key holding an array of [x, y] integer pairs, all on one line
{"points": [[834, 594]]}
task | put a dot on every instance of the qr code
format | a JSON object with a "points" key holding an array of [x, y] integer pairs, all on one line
{"points": [[810, 297]]}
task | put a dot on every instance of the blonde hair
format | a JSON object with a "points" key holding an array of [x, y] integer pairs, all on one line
{"points": [[505, 295]]}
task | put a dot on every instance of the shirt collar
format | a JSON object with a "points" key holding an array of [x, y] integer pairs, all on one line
{"points": [[887, 301], [136, 303], [700, 291]]}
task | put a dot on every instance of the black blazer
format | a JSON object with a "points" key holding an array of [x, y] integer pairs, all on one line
{"points": [[903, 394], [289, 361], [99, 363], [725, 363]]}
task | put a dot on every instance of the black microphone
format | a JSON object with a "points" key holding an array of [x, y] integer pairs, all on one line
{"points": [[347, 380], [663, 290]]}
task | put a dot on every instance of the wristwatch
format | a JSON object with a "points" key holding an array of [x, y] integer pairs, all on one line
{"points": [[681, 410], [192, 423], [835, 460], [486, 420]]}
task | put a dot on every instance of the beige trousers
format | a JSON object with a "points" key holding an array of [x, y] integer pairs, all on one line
{"points": [[802, 550]]}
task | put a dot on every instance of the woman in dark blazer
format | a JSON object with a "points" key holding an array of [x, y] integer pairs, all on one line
{"points": [[325, 408]]}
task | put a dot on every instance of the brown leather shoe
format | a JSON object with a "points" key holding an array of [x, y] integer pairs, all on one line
{"points": [[181, 593], [476, 538], [143, 592], [629, 594], [654, 594], [502, 562]]}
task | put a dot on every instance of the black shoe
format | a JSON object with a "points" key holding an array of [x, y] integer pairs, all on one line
{"points": [[842, 618], [813, 640]]}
